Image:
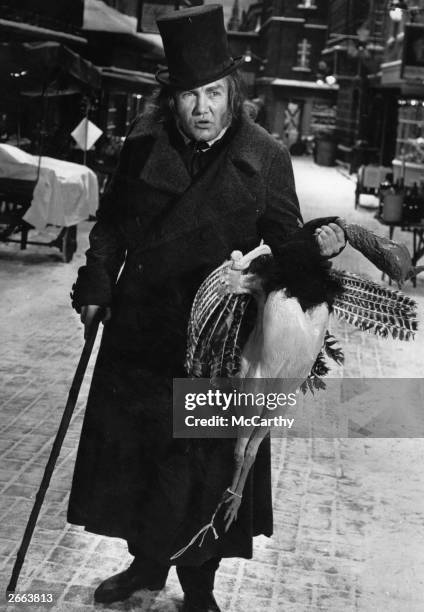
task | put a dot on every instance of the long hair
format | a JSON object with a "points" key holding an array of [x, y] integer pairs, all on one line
{"points": [[160, 106]]}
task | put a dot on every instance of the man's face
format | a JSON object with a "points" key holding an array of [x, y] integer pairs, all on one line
{"points": [[203, 112]]}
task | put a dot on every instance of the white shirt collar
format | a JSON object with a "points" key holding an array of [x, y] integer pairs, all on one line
{"points": [[209, 142]]}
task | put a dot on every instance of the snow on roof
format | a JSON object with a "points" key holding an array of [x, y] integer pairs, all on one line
{"points": [[99, 17]]}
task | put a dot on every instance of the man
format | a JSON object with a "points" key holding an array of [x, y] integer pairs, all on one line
{"points": [[196, 180]]}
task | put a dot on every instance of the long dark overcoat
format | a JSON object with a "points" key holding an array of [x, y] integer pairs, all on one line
{"points": [[132, 480]]}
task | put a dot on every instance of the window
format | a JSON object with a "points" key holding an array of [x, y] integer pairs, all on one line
{"points": [[410, 132], [303, 55], [307, 4]]}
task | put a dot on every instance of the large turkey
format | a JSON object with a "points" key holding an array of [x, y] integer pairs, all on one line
{"points": [[260, 316]]}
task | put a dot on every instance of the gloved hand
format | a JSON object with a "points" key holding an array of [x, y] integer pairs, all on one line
{"points": [[331, 239], [89, 312], [329, 234]]}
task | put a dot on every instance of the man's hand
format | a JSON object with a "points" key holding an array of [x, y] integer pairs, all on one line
{"points": [[89, 312], [331, 239]]}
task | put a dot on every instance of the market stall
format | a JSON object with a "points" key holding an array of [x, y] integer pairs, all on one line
{"points": [[34, 68], [408, 164], [42, 89], [42, 86], [36, 192]]}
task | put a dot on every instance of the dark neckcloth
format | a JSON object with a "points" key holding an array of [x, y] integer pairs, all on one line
{"points": [[195, 158]]}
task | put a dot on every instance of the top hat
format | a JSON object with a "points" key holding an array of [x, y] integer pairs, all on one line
{"points": [[196, 47]]}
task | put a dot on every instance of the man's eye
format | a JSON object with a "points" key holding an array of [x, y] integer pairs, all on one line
{"points": [[216, 93]]}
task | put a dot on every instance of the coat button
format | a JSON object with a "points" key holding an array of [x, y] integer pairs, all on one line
{"points": [[140, 268]]}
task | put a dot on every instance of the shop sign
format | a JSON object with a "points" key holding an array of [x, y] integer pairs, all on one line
{"points": [[86, 134], [413, 53]]}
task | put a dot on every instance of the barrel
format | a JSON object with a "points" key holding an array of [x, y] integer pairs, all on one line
{"points": [[392, 207], [325, 152]]}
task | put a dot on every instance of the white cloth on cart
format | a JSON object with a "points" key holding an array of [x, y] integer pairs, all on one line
{"points": [[65, 193]]}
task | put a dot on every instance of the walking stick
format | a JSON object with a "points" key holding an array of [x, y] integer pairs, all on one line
{"points": [[54, 454]]}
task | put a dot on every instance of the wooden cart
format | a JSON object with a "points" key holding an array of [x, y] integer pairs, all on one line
{"points": [[369, 179], [15, 200]]}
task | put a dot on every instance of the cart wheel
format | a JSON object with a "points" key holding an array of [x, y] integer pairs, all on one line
{"points": [[69, 243]]}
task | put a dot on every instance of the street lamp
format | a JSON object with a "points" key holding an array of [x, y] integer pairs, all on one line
{"points": [[397, 8], [249, 56], [324, 75], [396, 14], [17, 75]]}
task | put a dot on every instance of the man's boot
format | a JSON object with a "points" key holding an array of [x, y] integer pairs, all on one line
{"points": [[197, 584], [141, 574]]}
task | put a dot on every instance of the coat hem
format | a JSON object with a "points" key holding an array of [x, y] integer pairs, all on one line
{"points": [[112, 534]]}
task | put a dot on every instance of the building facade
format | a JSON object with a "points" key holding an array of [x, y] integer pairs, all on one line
{"points": [[285, 39], [63, 15], [39, 107], [402, 80], [354, 50], [43, 75]]}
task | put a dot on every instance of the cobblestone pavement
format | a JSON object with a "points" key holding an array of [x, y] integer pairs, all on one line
{"points": [[349, 529]]}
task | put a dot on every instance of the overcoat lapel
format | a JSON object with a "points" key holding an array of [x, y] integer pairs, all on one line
{"points": [[164, 168], [212, 196]]}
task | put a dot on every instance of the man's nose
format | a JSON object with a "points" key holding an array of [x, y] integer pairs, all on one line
{"points": [[201, 104]]}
